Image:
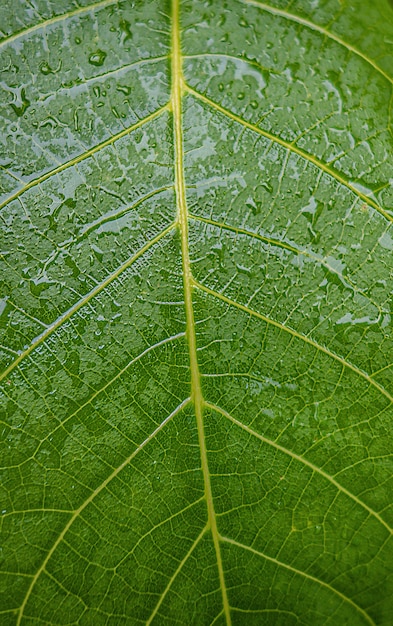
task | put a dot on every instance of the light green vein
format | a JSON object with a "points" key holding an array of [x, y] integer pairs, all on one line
{"points": [[82, 157], [320, 29], [95, 493], [177, 92], [114, 216], [151, 530], [174, 575], [28, 511], [294, 333], [56, 19], [5, 169], [78, 305], [343, 597], [292, 148], [98, 77], [16, 574], [302, 460], [230, 57], [286, 246], [25, 313], [110, 382], [260, 611], [84, 232]]}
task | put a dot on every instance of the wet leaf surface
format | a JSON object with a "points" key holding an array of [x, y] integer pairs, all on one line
{"points": [[196, 294]]}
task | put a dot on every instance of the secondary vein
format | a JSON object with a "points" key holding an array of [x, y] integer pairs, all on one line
{"points": [[295, 333], [90, 499], [83, 156], [301, 459], [291, 147], [83, 301]]}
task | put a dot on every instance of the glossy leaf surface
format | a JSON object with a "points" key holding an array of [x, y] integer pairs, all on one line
{"points": [[196, 295]]}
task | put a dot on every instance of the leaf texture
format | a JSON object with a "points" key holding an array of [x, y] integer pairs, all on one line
{"points": [[196, 294]]}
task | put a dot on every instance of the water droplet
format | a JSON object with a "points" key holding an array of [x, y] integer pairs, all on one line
{"points": [[242, 269], [254, 206], [266, 185], [97, 252], [21, 104], [125, 28], [254, 104], [46, 68], [243, 22], [97, 58], [124, 89]]}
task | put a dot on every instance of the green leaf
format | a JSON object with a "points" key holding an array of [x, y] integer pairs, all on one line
{"points": [[196, 331]]}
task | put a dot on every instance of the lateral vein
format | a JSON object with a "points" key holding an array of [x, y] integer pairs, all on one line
{"points": [[319, 29], [343, 597], [83, 156], [303, 460], [90, 499], [78, 305], [292, 148], [57, 18], [295, 333]]}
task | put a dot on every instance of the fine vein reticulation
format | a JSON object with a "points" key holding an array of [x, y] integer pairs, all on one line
{"points": [[193, 288]]}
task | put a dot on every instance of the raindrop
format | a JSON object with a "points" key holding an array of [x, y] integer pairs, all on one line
{"points": [[266, 185], [242, 269], [124, 89], [21, 104], [97, 58], [46, 69], [254, 206], [38, 285], [125, 28], [386, 241]]}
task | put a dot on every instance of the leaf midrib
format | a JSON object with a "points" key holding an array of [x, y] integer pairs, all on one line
{"points": [[178, 89], [197, 399], [291, 147]]}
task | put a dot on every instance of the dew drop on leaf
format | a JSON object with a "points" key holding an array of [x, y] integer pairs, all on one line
{"points": [[97, 58], [21, 103]]}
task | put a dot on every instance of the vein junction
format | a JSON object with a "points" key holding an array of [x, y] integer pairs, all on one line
{"points": [[182, 220]]}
